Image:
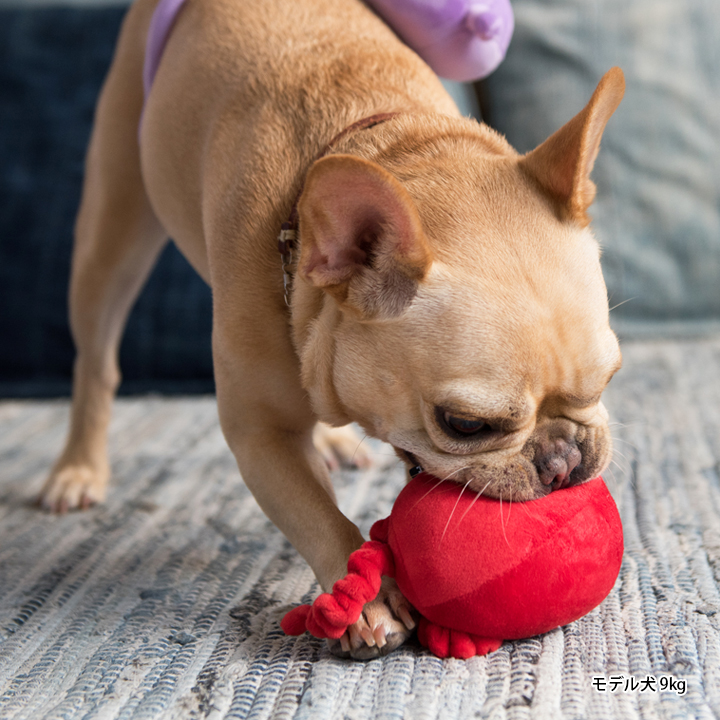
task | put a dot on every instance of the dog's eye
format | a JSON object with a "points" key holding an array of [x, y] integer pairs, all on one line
{"points": [[463, 426]]}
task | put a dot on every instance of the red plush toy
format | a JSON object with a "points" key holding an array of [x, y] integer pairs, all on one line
{"points": [[477, 570]]}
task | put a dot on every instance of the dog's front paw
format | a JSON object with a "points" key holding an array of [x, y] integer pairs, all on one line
{"points": [[385, 624], [73, 486], [341, 447]]}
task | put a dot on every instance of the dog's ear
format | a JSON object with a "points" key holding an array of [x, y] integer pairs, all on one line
{"points": [[361, 237], [562, 164]]}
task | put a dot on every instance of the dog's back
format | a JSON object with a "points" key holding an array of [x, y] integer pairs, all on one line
{"points": [[273, 81]]}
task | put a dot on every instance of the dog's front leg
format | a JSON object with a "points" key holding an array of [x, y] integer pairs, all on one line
{"points": [[288, 478], [268, 424]]}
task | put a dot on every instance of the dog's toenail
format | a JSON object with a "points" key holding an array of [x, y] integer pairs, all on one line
{"points": [[404, 615], [345, 643], [368, 637]]}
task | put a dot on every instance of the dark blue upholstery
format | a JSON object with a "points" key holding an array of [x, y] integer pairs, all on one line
{"points": [[52, 63]]}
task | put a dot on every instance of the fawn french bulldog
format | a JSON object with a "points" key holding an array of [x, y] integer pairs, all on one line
{"points": [[445, 292]]}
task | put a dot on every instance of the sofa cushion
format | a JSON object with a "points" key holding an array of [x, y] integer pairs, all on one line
{"points": [[657, 212]]}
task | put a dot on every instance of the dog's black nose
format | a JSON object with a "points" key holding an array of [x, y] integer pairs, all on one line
{"points": [[555, 460]]}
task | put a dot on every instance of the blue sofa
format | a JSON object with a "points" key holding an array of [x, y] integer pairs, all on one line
{"points": [[657, 213]]}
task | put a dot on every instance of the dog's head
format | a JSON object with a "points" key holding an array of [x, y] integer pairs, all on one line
{"points": [[463, 316]]}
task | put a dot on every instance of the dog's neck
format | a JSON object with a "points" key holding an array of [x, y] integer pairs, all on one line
{"points": [[287, 239]]}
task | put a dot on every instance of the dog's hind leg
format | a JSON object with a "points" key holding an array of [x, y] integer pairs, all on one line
{"points": [[117, 240]]}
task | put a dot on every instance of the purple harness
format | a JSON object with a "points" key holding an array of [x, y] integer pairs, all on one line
{"points": [[160, 26], [460, 39]]}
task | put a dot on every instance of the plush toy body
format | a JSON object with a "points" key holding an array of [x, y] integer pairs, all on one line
{"points": [[461, 40], [477, 570]]}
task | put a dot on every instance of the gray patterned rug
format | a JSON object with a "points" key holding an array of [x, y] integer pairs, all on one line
{"points": [[164, 603]]}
